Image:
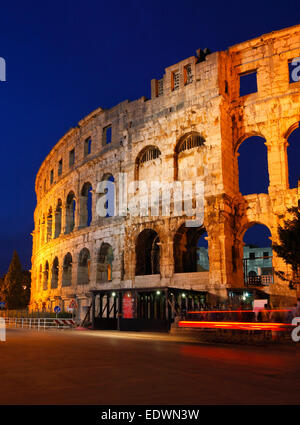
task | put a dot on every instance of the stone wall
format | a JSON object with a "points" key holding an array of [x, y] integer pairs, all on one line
{"points": [[208, 105]]}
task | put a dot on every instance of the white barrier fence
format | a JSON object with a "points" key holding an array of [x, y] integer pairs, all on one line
{"points": [[39, 323]]}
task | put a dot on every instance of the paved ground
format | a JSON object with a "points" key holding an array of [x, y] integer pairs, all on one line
{"points": [[93, 367]]}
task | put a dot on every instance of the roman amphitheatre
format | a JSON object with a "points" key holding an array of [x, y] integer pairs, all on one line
{"points": [[191, 129]]}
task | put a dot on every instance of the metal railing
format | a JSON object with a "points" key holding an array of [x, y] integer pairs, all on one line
{"points": [[254, 264], [39, 323], [263, 280], [24, 313]]}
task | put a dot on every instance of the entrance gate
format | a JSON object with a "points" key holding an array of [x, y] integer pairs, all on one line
{"points": [[150, 309]]}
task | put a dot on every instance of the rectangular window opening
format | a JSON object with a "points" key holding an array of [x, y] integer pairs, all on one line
{"points": [[72, 157], [175, 80], [107, 135], [59, 172], [252, 255], [248, 83], [87, 146], [188, 75], [226, 86], [160, 87], [51, 176]]}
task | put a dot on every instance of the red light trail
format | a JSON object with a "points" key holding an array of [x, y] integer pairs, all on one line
{"points": [[230, 311], [235, 325]]}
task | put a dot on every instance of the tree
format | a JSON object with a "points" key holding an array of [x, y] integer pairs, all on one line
{"points": [[289, 247], [1, 287], [26, 287], [15, 290]]}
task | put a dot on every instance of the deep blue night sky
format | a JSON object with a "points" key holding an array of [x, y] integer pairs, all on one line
{"points": [[66, 58]]}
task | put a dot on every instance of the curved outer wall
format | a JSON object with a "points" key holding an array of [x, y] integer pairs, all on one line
{"points": [[209, 105]]}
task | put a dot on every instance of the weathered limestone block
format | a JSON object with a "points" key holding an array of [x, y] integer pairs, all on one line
{"points": [[196, 98]]}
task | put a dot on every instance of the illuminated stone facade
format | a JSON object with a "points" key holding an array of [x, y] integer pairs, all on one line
{"points": [[197, 97]]}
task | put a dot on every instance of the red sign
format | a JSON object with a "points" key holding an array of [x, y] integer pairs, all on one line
{"points": [[128, 305], [73, 304]]}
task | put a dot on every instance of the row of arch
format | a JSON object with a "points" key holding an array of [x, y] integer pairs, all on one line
{"points": [[147, 259], [186, 142], [190, 251], [259, 160], [252, 168], [187, 244], [194, 139], [62, 218], [50, 278], [51, 225]]}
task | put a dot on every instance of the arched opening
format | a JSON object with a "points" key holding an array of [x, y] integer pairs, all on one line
{"points": [[293, 154], [190, 250], [43, 232], [55, 270], [202, 253], [253, 166], [40, 277], [148, 164], [70, 212], [46, 276], [38, 234], [147, 253], [58, 216], [83, 274], [187, 157], [257, 256], [49, 225], [108, 196], [67, 270], [86, 205], [104, 263]]}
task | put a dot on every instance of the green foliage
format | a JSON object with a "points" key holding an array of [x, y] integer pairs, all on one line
{"points": [[289, 247], [15, 287]]}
